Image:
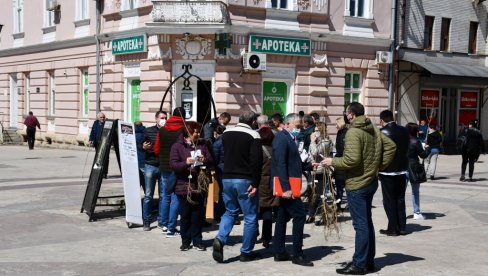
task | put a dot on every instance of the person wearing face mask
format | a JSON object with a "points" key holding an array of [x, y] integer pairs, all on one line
{"points": [[366, 151], [166, 136], [286, 166], [320, 147], [151, 169]]}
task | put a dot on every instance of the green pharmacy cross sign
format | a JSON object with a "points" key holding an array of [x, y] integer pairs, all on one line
{"points": [[129, 45], [279, 45]]}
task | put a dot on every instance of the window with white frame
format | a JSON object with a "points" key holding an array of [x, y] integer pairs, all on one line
{"points": [[352, 88], [359, 8], [18, 16], [27, 92], [85, 93], [128, 5], [279, 4], [82, 10], [52, 94], [48, 17]]}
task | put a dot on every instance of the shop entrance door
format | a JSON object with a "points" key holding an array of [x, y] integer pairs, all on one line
{"points": [[14, 101], [448, 119], [204, 107]]}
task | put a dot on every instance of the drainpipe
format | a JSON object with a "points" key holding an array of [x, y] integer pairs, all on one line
{"points": [[391, 79], [97, 40]]}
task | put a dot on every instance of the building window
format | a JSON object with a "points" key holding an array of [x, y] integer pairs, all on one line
{"points": [[352, 88], [81, 10], [128, 5], [445, 28], [359, 8], [85, 93], [52, 94], [279, 4], [428, 29], [48, 17], [356, 8], [27, 92], [473, 37], [18, 16]]}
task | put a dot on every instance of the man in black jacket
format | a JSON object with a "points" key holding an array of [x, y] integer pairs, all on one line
{"points": [[243, 159], [471, 150], [151, 168], [394, 177], [210, 126]]}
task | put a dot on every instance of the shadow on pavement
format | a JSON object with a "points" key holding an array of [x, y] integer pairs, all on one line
{"points": [[417, 227], [319, 252], [394, 259]]}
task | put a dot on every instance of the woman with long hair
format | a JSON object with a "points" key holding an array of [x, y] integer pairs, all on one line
{"points": [[320, 148], [415, 151]]}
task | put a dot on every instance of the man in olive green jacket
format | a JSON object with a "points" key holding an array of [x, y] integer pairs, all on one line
{"points": [[366, 151]]}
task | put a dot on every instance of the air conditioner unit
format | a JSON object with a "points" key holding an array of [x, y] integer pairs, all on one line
{"points": [[254, 62], [52, 5], [383, 57]]}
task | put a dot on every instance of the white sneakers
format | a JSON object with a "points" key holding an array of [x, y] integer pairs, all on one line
{"points": [[418, 216]]}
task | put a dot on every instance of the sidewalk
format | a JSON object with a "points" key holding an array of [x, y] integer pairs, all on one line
{"points": [[42, 231]]}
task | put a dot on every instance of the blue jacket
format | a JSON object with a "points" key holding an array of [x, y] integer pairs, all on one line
{"points": [[96, 133], [218, 150], [286, 161]]}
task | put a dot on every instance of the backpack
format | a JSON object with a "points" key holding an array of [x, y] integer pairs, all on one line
{"points": [[461, 141]]}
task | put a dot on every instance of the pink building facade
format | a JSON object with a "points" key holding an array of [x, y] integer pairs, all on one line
{"points": [[314, 56]]}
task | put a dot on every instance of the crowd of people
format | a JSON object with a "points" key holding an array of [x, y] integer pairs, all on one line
{"points": [[259, 165]]}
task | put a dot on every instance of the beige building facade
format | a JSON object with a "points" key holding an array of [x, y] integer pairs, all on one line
{"points": [[267, 56]]}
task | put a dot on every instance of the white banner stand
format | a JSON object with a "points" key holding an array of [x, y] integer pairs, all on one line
{"points": [[130, 173]]}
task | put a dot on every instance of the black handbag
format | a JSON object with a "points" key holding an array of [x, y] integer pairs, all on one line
{"points": [[417, 173]]}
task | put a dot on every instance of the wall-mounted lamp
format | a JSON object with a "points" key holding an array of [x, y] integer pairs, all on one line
{"points": [[1, 26], [38, 90]]}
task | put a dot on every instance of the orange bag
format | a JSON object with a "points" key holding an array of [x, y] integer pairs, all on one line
{"points": [[295, 185]]}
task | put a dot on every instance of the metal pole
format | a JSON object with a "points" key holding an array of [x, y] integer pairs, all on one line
{"points": [[391, 79], [97, 39]]}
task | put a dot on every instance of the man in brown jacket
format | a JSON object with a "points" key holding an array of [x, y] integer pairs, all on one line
{"points": [[366, 151]]}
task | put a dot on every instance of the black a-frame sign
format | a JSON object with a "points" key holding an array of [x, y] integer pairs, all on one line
{"points": [[109, 138]]}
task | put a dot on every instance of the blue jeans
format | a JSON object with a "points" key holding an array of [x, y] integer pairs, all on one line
{"points": [[236, 198], [168, 202], [360, 202], [152, 174], [415, 197]]}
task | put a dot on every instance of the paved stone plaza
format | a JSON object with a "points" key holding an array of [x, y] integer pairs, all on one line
{"points": [[42, 231]]}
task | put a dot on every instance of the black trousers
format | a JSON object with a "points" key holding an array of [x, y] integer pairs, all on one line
{"points": [[191, 219], [31, 137], [468, 158], [289, 209], [268, 214], [393, 188]]}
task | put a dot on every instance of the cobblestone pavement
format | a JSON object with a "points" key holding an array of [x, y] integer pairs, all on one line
{"points": [[42, 231]]}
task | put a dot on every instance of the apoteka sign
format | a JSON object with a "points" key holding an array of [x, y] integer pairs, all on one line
{"points": [[129, 45], [279, 45]]}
